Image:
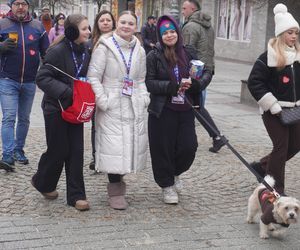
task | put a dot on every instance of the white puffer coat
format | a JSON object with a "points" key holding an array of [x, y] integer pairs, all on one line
{"points": [[121, 122]]}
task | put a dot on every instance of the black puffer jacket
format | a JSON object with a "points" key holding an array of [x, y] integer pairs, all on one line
{"points": [[55, 85], [160, 86], [284, 84]]}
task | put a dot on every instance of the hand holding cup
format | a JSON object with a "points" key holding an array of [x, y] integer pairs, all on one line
{"points": [[185, 84], [14, 36]]}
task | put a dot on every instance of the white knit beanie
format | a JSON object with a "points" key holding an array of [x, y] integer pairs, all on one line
{"points": [[283, 19]]}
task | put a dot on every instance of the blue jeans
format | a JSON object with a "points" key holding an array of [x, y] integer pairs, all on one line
{"points": [[16, 101], [202, 98]]}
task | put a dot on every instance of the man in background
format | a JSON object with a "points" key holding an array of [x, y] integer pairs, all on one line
{"points": [[148, 33], [22, 41], [197, 31]]}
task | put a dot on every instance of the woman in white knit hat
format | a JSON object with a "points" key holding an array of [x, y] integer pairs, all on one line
{"points": [[275, 83]]}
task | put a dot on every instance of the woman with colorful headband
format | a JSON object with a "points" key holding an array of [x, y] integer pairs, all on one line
{"points": [[171, 127]]}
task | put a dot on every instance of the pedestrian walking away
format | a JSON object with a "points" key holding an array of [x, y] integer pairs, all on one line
{"points": [[23, 41], [197, 31], [275, 84], [171, 126], [69, 54], [103, 24], [117, 74]]}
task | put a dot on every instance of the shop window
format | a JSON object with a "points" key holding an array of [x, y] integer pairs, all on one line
{"points": [[234, 20]]}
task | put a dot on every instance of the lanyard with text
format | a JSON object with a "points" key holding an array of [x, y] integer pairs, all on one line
{"points": [[179, 99], [78, 68], [127, 82]]}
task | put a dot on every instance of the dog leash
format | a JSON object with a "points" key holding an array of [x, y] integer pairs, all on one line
{"points": [[233, 150]]}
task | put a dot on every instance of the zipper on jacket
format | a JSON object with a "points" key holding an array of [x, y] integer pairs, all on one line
{"points": [[23, 51], [294, 83]]}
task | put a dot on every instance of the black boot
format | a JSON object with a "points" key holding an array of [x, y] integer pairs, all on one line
{"points": [[218, 143]]}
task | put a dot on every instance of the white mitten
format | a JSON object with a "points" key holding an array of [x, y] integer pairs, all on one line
{"points": [[275, 108]]}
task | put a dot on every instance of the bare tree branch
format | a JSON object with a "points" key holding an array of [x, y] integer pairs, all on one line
{"points": [[98, 2]]}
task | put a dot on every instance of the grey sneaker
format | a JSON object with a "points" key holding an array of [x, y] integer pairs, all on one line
{"points": [[170, 195], [178, 184]]}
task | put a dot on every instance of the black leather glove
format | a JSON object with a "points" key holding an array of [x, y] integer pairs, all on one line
{"points": [[7, 45], [66, 98]]}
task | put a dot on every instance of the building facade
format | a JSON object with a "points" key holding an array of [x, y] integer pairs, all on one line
{"points": [[243, 27]]}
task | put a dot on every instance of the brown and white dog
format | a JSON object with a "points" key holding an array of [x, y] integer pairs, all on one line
{"points": [[277, 213]]}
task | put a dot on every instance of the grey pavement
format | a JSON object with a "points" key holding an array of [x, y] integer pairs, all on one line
{"points": [[211, 212]]}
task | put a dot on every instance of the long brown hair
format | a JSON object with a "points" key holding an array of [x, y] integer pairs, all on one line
{"points": [[57, 18], [170, 54], [96, 31]]}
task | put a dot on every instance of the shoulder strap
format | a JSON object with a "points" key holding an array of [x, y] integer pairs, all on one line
{"points": [[61, 71]]}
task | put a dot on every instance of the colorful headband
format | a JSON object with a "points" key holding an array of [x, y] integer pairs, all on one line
{"points": [[166, 25]]}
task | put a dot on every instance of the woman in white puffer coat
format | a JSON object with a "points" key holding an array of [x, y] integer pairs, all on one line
{"points": [[117, 74]]}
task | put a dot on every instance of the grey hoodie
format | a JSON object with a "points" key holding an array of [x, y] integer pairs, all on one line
{"points": [[198, 32]]}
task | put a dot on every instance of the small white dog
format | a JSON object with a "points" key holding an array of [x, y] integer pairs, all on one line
{"points": [[277, 214]]}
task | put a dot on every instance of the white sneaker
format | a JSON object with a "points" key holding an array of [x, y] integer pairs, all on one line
{"points": [[170, 195], [178, 184]]}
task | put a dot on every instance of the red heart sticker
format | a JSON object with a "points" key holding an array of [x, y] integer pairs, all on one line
{"points": [[285, 79], [32, 52]]}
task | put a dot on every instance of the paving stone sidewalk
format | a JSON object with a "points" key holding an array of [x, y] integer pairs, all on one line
{"points": [[212, 209]]}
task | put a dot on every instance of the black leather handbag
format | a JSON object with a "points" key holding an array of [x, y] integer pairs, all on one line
{"points": [[290, 116]]}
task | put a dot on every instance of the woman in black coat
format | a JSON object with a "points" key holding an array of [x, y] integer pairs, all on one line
{"points": [[171, 127], [64, 139], [275, 83]]}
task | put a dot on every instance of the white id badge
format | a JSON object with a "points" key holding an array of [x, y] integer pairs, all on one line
{"points": [[179, 99], [127, 86]]}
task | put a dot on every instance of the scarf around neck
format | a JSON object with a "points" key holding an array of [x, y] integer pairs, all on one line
{"points": [[10, 15], [291, 55]]}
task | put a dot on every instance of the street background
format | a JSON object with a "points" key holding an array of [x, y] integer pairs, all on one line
{"points": [[212, 210]]}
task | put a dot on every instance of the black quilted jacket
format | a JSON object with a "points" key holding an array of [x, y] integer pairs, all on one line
{"points": [[160, 86]]}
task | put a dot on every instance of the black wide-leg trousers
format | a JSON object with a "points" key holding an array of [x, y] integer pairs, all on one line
{"points": [[64, 149], [173, 144]]}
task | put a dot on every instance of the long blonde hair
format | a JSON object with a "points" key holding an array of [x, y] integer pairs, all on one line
{"points": [[278, 44]]}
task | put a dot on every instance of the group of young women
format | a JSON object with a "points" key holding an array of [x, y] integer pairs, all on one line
{"points": [[116, 69], [122, 77]]}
